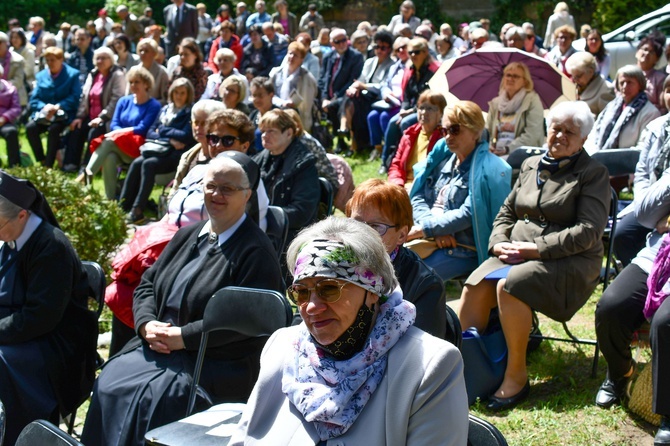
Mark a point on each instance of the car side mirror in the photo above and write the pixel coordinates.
(630, 36)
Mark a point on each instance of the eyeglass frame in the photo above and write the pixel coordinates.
(453, 130)
(226, 190)
(213, 140)
(291, 289)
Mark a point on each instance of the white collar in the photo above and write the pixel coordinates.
(30, 227)
(225, 235)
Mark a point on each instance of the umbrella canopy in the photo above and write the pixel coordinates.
(476, 77)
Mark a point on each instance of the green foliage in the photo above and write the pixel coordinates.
(94, 225)
(610, 14)
(135, 6)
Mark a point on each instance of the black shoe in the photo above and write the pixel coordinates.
(663, 433)
(497, 404)
(70, 168)
(613, 392)
(135, 219)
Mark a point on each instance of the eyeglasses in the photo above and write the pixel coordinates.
(402, 48)
(415, 52)
(427, 108)
(452, 130)
(381, 228)
(225, 140)
(381, 47)
(328, 290)
(225, 189)
(5, 223)
(338, 41)
(516, 77)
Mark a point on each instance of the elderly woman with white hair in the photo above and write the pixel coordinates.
(621, 123)
(225, 60)
(546, 245)
(515, 115)
(333, 378)
(591, 88)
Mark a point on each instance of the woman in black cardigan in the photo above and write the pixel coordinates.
(173, 127)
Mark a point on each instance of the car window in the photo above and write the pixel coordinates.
(660, 22)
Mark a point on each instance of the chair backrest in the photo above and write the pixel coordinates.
(96, 282)
(517, 157)
(327, 197)
(277, 229)
(44, 433)
(483, 433)
(3, 421)
(454, 332)
(618, 161)
(249, 311)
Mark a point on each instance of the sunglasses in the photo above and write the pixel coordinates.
(452, 130)
(328, 290)
(381, 47)
(338, 41)
(225, 140)
(415, 52)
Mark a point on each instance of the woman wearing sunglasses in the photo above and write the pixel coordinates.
(456, 197)
(545, 244)
(355, 369)
(419, 139)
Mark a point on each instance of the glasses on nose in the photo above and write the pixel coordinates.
(225, 140)
(452, 130)
(225, 189)
(415, 52)
(516, 77)
(328, 290)
(402, 48)
(231, 90)
(381, 228)
(338, 41)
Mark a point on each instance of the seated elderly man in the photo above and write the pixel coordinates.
(147, 383)
(621, 123)
(591, 88)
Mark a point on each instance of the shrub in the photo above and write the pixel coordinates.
(94, 225)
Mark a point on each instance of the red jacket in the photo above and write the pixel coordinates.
(235, 46)
(398, 170)
(411, 71)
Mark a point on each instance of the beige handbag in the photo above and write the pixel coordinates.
(641, 396)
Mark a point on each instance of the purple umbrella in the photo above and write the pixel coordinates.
(476, 76)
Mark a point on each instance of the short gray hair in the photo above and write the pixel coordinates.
(633, 72)
(581, 61)
(515, 30)
(364, 241)
(107, 51)
(207, 106)
(578, 112)
(8, 209)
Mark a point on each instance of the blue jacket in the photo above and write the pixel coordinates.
(178, 128)
(488, 186)
(64, 90)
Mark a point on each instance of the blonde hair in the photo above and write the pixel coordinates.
(141, 73)
(468, 114)
(528, 81)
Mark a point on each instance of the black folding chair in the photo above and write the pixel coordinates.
(44, 433)
(618, 161)
(606, 279)
(483, 433)
(96, 284)
(327, 197)
(3, 423)
(277, 229)
(517, 157)
(249, 311)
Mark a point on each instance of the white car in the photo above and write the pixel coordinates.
(622, 42)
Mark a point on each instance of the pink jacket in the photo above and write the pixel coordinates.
(10, 107)
(398, 169)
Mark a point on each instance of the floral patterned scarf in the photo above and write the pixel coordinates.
(332, 394)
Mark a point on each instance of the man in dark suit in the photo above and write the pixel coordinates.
(340, 68)
(181, 20)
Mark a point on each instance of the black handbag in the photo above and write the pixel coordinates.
(155, 148)
(485, 360)
(320, 130)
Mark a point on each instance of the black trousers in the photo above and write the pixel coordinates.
(79, 137)
(141, 178)
(618, 315)
(11, 135)
(629, 238)
(33, 132)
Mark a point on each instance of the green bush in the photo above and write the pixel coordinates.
(94, 225)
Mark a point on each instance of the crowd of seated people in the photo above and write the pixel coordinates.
(265, 85)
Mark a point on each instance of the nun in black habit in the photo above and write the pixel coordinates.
(47, 335)
(147, 384)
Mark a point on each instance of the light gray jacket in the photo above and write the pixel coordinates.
(421, 399)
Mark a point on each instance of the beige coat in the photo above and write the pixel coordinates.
(529, 130)
(17, 76)
(566, 219)
(597, 95)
